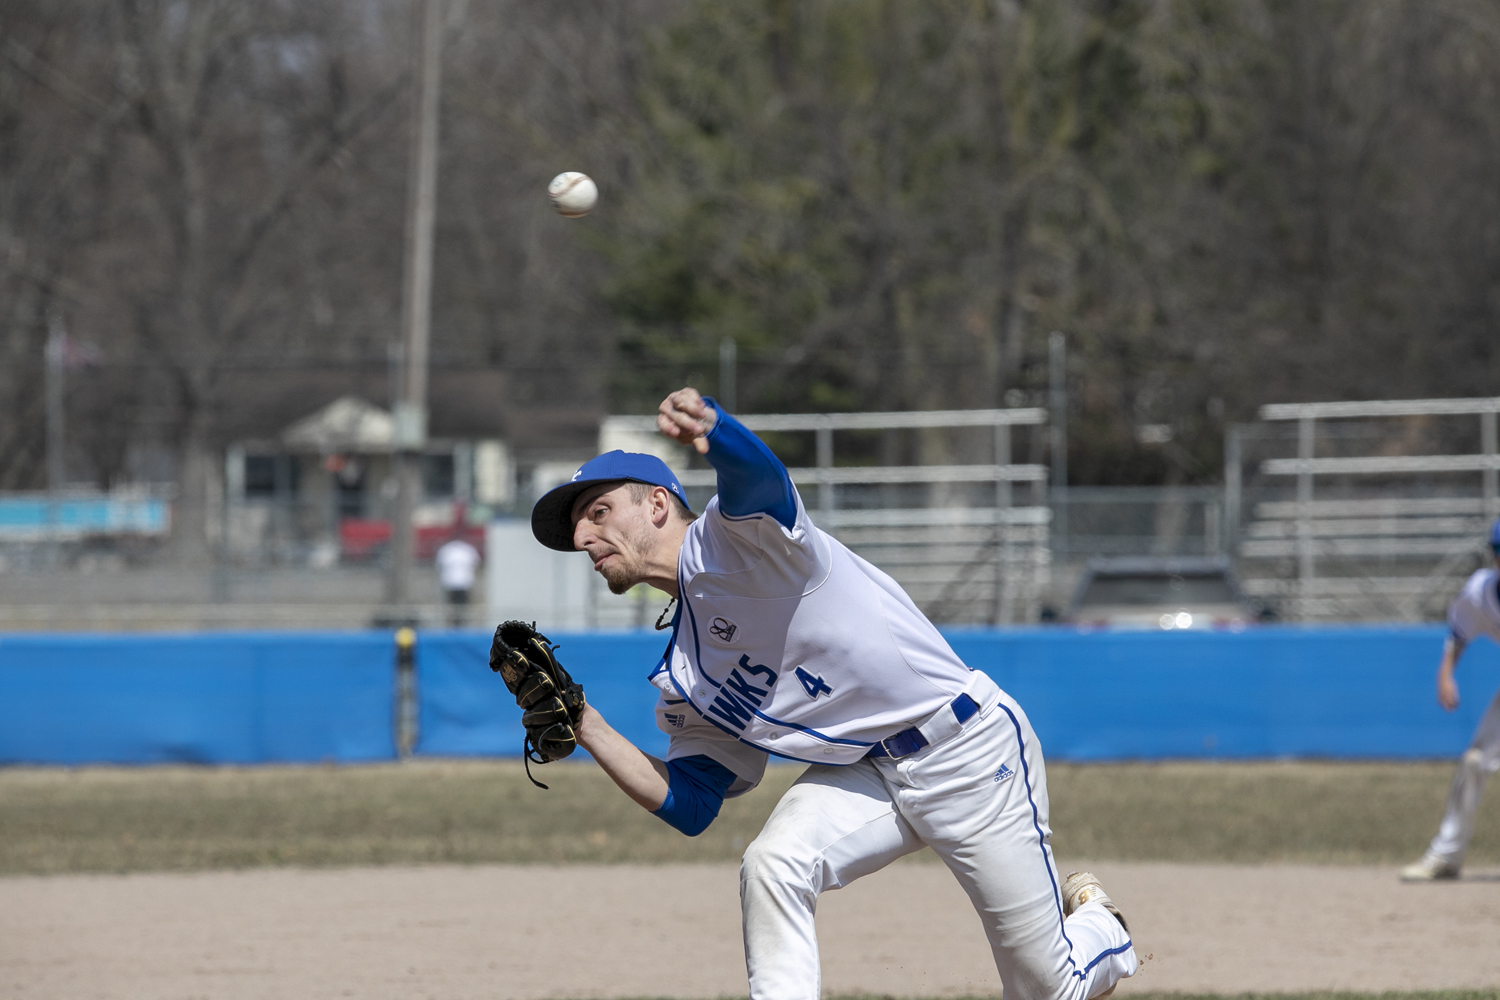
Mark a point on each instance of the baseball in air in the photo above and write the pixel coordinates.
(573, 194)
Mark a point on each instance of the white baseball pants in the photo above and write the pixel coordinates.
(1481, 760)
(979, 799)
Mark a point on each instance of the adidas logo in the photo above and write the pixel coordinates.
(1005, 773)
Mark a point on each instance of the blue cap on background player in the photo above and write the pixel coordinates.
(1495, 535)
(552, 517)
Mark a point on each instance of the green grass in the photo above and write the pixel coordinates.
(1343, 813)
(187, 818)
(1428, 995)
(182, 818)
(1313, 995)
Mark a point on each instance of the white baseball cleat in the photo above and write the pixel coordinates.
(1083, 887)
(1429, 869)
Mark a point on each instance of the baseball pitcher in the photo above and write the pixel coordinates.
(784, 642)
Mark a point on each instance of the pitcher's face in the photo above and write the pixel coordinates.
(616, 531)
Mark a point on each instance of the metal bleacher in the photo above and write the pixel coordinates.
(1386, 536)
(953, 535)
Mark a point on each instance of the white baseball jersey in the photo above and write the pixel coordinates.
(789, 643)
(1476, 609)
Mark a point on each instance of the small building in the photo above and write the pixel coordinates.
(323, 493)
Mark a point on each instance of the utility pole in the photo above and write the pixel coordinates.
(728, 351)
(57, 345)
(1057, 405)
(410, 410)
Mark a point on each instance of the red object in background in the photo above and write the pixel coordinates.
(429, 540)
(362, 539)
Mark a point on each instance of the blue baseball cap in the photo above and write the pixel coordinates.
(552, 517)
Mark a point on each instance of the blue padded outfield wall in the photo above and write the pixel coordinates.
(1265, 692)
(215, 697)
(465, 708)
(262, 697)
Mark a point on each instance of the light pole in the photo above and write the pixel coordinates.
(57, 346)
(410, 410)
(1057, 405)
(56, 437)
(728, 375)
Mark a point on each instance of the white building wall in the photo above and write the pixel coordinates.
(525, 580)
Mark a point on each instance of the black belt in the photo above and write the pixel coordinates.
(909, 741)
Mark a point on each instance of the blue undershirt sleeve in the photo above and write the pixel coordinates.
(751, 479)
(695, 791)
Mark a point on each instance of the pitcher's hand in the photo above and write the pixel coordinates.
(686, 418)
(1447, 691)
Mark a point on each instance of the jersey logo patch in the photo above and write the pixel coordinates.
(738, 699)
(723, 629)
(813, 685)
(1004, 774)
(674, 720)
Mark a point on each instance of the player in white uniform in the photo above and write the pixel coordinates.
(456, 562)
(1473, 613)
(784, 642)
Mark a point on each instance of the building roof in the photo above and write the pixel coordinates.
(346, 424)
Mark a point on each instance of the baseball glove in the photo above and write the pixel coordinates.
(551, 700)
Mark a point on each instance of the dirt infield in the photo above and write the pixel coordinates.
(478, 932)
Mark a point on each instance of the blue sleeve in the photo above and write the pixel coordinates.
(695, 791)
(751, 479)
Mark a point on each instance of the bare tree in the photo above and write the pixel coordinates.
(238, 110)
(59, 136)
(886, 204)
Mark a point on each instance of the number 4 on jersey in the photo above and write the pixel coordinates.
(814, 685)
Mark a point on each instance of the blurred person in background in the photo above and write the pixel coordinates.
(1474, 612)
(457, 562)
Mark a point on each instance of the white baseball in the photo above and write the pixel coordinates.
(573, 194)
